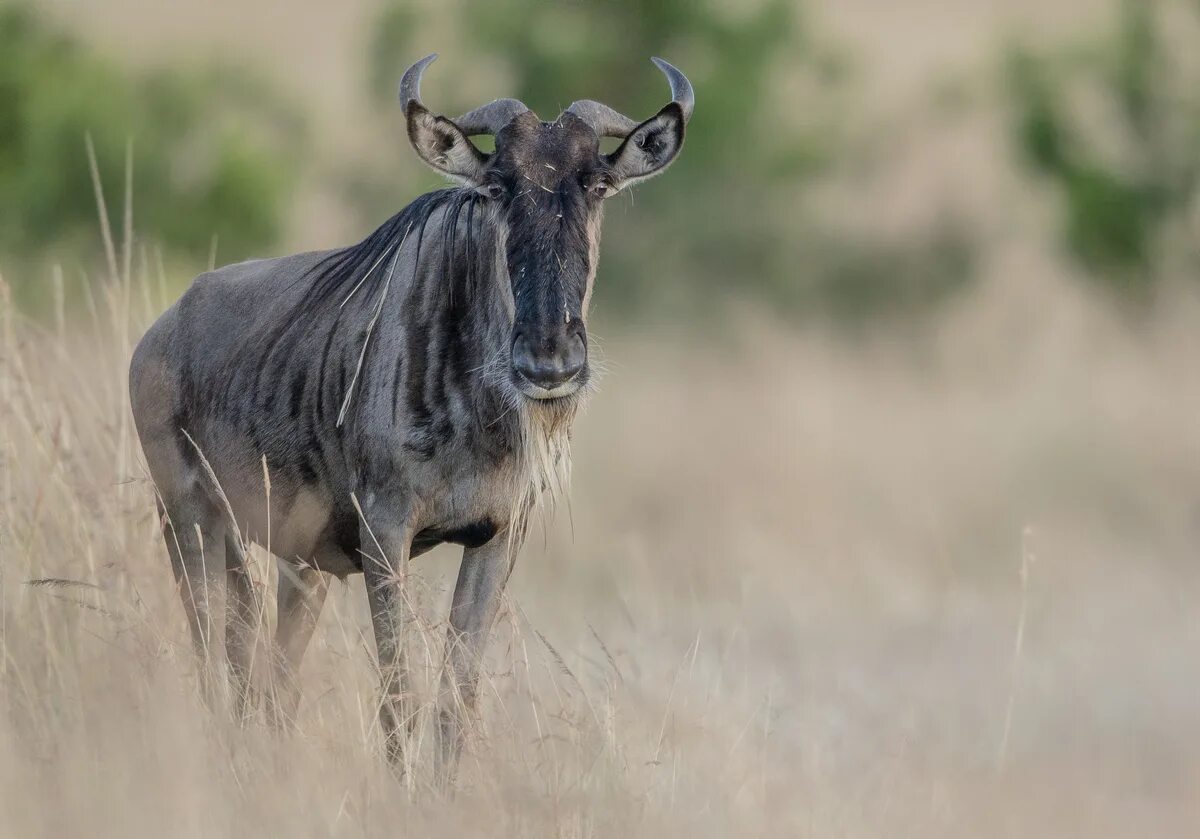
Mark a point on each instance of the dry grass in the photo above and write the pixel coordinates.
(933, 585)
(785, 602)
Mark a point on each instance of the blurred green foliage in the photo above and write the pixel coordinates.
(213, 151)
(1111, 123)
(1128, 170)
(729, 219)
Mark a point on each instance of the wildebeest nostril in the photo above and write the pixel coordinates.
(549, 364)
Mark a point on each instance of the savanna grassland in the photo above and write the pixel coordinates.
(927, 586)
(932, 573)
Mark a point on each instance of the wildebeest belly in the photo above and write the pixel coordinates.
(336, 548)
(340, 554)
(301, 526)
(311, 523)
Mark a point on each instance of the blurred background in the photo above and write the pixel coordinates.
(852, 161)
(884, 520)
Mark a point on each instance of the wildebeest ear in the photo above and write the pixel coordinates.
(650, 147)
(443, 145)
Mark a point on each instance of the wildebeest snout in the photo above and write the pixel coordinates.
(549, 359)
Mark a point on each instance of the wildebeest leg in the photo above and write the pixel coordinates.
(481, 579)
(195, 537)
(243, 622)
(385, 578)
(302, 593)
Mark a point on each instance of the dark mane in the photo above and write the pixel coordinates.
(344, 286)
(359, 268)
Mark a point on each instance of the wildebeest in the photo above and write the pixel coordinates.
(351, 409)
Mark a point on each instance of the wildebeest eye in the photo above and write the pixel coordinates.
(493, 190)
(602, 188)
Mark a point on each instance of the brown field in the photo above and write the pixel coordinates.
(935, 580)
(787, 599)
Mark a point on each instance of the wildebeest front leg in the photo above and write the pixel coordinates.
(386, 592)
(481, 580)
(302, 593)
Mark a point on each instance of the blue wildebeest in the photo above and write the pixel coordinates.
(351, 409)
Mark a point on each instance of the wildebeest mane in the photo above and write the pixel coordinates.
(362, 267)
(345, 284)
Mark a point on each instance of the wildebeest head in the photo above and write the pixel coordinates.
(547, 182)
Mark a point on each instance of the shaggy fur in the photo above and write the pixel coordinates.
(351, 409)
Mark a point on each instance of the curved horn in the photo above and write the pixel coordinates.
(681, 89)
(607, 122)
(604, 120)
(490, 118)
(487, 119)
(410, 83)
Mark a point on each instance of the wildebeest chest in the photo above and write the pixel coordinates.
(463, 496)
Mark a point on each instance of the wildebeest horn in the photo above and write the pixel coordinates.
(490, 118)
(681, 89)
(410, 83)
(604, 120)
(609, 123)
(486, 119)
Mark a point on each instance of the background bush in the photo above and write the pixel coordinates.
(1125, 168)
(1109, 122)
(213, 150)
